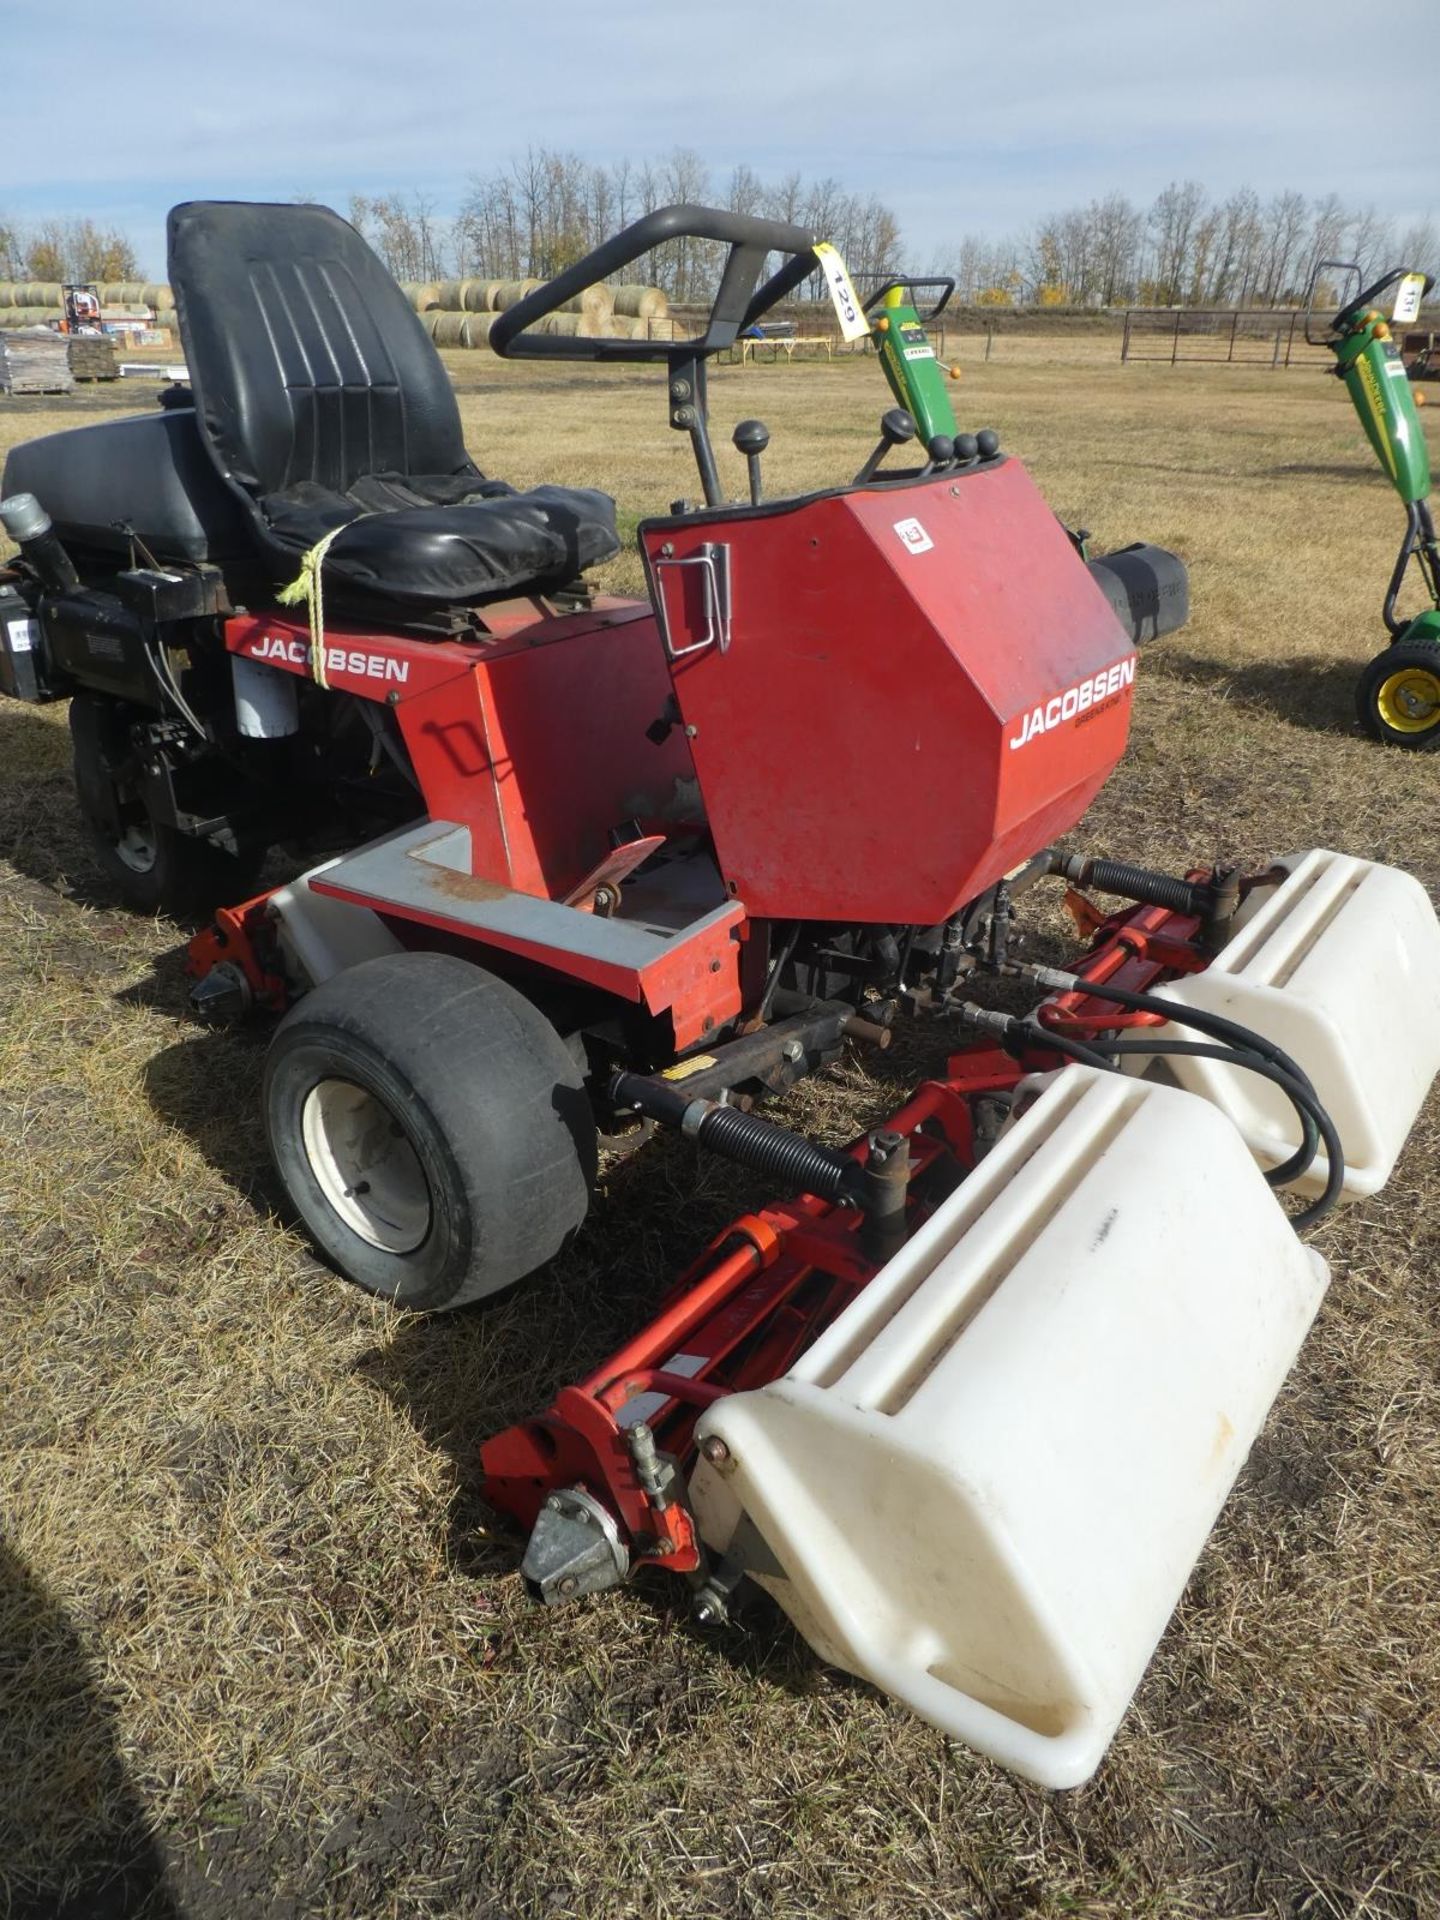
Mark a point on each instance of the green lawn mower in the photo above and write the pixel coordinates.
(1398, 695)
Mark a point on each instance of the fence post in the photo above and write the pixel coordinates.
(989, 336)
(1275, 356)
(1125, 342)
(1175, 343)
(1234, 323)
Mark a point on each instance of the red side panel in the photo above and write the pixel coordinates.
(922, 686)
(535, 740)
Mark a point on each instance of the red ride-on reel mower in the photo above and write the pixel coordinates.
(968, 1405)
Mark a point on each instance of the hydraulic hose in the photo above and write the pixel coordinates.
(1217, 1027)
(1240, 1047)
(1314, 1120)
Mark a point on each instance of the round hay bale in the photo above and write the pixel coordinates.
(7, 293)
(449, 329)
(598, 302)
(157, 294)
(566, 323)
(641, 303)
(422, 294)
(509, 292)
(477, 328)
(479, 295)
(130, 293)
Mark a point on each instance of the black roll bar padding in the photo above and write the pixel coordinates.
(1387, 279)
(738, 300)
(1362, 299)
(905, 280)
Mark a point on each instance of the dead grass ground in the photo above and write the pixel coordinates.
(257, 1642)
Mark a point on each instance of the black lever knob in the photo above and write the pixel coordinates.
(751, 438)
(987, 442)
(941, 449)
(967, 448)
(896, 427)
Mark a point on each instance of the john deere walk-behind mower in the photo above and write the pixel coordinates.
(966, 1406)
(1398, 694)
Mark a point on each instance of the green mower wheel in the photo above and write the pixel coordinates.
(1398, 695)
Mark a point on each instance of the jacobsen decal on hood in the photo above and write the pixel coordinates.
(1089, 696)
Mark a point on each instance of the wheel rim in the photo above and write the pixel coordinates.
(365, 1166)
(1409, 700)
(136, 847)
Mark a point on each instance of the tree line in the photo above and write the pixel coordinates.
(1185, 249)
(542, 211)
(66, 250)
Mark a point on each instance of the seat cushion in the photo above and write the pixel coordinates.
(491, 541)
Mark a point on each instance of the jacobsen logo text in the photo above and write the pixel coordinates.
(366, 666)
(1087, 697)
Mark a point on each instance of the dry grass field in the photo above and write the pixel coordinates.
(260, 1653)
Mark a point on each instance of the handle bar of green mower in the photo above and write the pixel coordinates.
(1368, 297)
(889, 281)
(738, 301)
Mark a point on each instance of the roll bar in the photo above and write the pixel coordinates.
(1361, 300)
(911, 286)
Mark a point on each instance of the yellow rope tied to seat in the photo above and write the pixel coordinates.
(309, 586)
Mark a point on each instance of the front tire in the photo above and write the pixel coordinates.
(431, 1128)
(149, 864)
(1398, 695)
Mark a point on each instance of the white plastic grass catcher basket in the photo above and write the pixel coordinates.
(985, 1486)
(1340, 966)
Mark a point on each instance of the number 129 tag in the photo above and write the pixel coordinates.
(1407, 300)
(853, 324)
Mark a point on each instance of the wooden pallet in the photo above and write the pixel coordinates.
(92, 357)
(35, 360)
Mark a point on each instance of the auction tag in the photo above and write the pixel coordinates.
(23, 635)
(853, 323)
(1407, 300)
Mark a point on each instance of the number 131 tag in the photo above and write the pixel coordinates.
(1407, 300)
(853, 324)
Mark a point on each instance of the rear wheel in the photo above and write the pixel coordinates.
(151, 865)
(431, 1128)
(1398, 695)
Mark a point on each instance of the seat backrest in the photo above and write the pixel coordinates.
(306, 360)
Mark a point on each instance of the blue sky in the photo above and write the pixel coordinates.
(966, 118)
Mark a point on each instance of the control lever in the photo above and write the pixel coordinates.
(987, 442)
(896, 427)
(751, 438)
(967, 449)
(941, 449)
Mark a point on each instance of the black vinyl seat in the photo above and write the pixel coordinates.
(323, 403)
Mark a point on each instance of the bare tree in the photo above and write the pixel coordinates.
(1283, 225)
(1172, 223)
